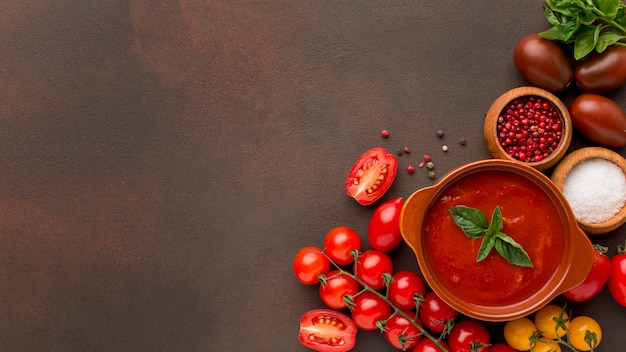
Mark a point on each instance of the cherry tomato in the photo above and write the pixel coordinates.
(518, 332)
(309, 263)
(545, 345)
(371, 175)
(468, 336)
(585, 333)
(401, 333)
(404, 287)
(500, 347)
(427, 345)
(368, 309)
(371, 265)
(599, 119)
(339, 243)
(384, 228)
(617, 278)
(546, 323)
(333, 291)
(602, 72)
(543, 63)
(327, 330)
(435, 313)
(596, 279)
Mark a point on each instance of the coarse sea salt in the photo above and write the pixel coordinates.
(595, 189)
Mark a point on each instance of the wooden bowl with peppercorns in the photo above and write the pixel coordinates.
(529, 125)
(593, 180)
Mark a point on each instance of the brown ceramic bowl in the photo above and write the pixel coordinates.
(491, 129)
(571, 160)
(504, 295)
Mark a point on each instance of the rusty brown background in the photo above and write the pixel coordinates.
(161, 162)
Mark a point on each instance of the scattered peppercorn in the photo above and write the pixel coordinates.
(444, 148)
(407, 150)
(426, 157)
(431, 174)
(462, 141)
(421, 164)
(384, 133)
(399, 152)
(430, 165)
(439, 133)
(410, 169)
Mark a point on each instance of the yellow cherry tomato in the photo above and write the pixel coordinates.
(546, 323)
(546, 345)
(518, 332)
(585, 333)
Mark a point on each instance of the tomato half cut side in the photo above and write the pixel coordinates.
(327, 330)
(371, 175)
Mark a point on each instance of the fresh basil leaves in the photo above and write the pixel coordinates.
(587, 24)
(473, 222)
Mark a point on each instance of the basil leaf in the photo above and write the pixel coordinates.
(496, 221)
(472, 221)
(586, 41)
(608, 7)
(607, 39)
(511, 250)
(485, 246)
(552, 17)
(554, 33)
(586, 17)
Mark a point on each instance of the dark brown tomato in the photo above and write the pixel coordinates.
(599, 119)
(543, 63)
(602, 72)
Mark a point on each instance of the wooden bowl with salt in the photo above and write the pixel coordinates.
(591, 181)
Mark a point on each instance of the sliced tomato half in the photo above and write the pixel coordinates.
(327, 330)
(371, 175)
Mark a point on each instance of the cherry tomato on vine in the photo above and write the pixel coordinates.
(468, 336)
(596, 279)
(339, 243)
(371, 266)
(518, 332)
(427, 345)
(371, 175)
(404, 287)
(333, 290)
(435, 313)
(585, 333)
(543, 63)
(500, 347)
(308, 264)
(368, 309)
(401, 333)
(617, 278)
(327, 330)
(545, 345)
(546, 323)
(384, 228)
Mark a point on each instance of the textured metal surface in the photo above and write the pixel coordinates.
(162, 162)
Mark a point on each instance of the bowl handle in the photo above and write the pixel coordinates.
(413, 213)
(582, 259)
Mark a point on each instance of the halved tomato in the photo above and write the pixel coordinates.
(371, 175)
(327, 330)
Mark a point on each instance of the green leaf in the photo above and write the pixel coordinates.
(556, 33)
(586, 41)
(607, 39)
(485, 247)
(496, 221)
(553, 18)
(608, 7)
(472, 221)
(511, 250)
(570, 29)
(586, 17)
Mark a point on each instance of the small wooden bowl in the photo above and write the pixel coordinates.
(491, 129)
(571, 160)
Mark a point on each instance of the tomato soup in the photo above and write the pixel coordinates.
(529, 217)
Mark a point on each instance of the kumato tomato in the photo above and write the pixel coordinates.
(545, 345)
(368, 309)
(309, 263)
(585, 333)
(327, 330)
(469, 336)
(602, 72)
(401, 333)
(427, 345)
(339, 244)
(518, 332)
(371, 175)
(599, 119)
(595, 281)
(372, 266)
(543, 63)
(404, 288)
(334, 290)
(384, 228)
(500, 347)
(546, 321)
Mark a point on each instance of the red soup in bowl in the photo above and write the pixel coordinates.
(534, 214)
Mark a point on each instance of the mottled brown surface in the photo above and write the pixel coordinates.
(162, 162)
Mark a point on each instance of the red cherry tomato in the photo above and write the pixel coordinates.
(596, 279)
(333, 291)
(368, 309)
(371, 175)
(308, 264)
(401, 333)
(339, 243)
(327, 330)
(500, 347)
(617, 278)
(371, 265)
(435, 313)
(404, 286)
(599, 119)
(543, 63)
(467, 334)
(602, 72)
(427, 345)
(384, 228)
